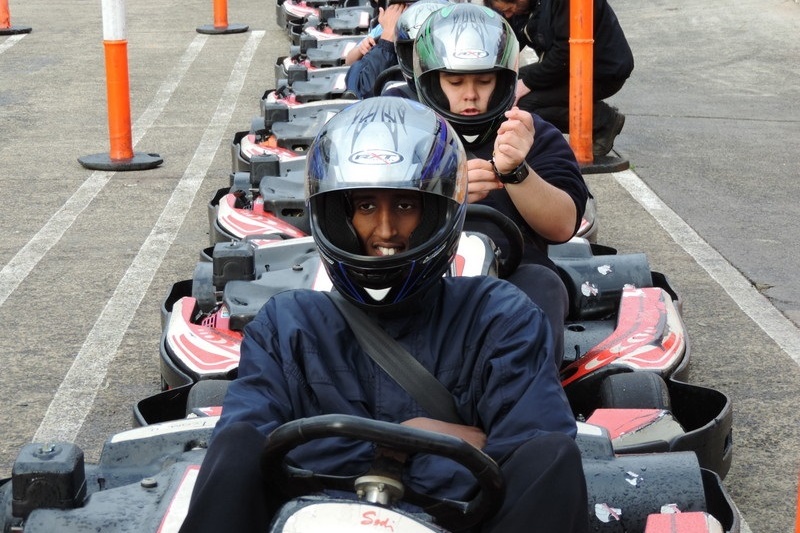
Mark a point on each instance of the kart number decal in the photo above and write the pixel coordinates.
(351, 516)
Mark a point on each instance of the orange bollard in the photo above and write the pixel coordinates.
(797, 515)
(581, 77)
(221, 25)
(118, 92)
(121, 155)
(5, 21)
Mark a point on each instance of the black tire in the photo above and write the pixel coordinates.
(635, 390)
(258, 125)
(206, 393)
(203, 289)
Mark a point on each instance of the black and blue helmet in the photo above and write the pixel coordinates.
(406, 30)
(390, 143)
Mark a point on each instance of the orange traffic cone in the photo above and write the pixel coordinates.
(221, 21)
(121, 156)
(5, 21)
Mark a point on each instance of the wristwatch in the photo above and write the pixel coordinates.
(518, 175)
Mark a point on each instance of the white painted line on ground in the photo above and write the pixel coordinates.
(167, 88)
(29, 255)
(74, 399)
(18, 268)
(785, 334)
(754, 304)
(11, 41)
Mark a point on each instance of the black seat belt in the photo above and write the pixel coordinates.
(398, 363)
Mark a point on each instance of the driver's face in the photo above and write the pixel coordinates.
(385, 218)
(512, 8)
(468, 94)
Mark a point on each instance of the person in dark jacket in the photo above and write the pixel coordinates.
(465, 67)
(386, 181)
(390, 56)
(373, 55)
(408, 26)
(543, 87)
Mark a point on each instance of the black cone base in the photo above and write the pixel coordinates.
(210, 29)
(139, 161)
(14, 30)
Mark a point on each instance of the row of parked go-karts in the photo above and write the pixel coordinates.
(654, 446)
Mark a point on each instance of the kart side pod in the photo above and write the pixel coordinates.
(625, 490)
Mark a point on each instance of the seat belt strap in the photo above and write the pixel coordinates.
(396, 361)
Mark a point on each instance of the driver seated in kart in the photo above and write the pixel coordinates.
(386, 185)
(465, 66)
(374, 53)
(394, 49)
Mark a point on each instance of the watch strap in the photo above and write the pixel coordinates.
(518, 175)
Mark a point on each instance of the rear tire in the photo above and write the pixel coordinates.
(635, 390)
(206, 393)
(203, 289)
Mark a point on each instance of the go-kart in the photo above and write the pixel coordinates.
(352, 18)
(145, 476)
(290, 12)
(310, 34)
(202, 318)
(322, 47)
(336, 23)
(282, 131)
(309, 85)
(625, 345)
(265, 195)
(315, 54)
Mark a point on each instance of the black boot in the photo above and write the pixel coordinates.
(608, 122)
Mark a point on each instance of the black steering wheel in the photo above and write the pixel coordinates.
(509, 259)
(392, 73)
(450, 514)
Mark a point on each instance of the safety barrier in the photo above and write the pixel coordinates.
(5, 21)
(121, 155)
(221, 25)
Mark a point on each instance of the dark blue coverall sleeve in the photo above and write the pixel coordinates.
(362, 74)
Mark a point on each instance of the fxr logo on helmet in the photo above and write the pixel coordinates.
(470, 54)
(375, 157)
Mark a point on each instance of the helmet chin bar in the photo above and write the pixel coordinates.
(378, 294)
